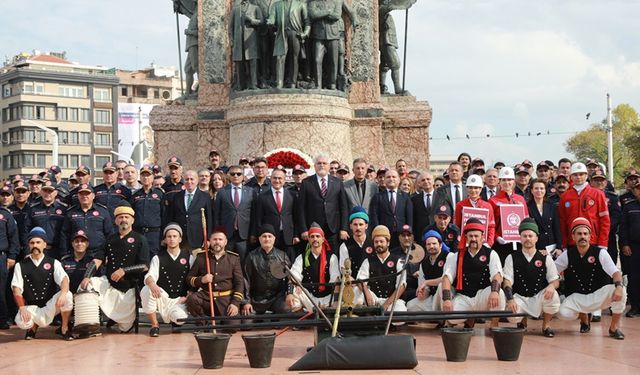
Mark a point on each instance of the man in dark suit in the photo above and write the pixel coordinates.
(276, 207)
(233, 210)
(322, 200)
(453, 192)
(423, 204)
(490, 184)
(184, 209)
(391, 207)
(359, 190)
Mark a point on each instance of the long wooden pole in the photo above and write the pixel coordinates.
(205, 246)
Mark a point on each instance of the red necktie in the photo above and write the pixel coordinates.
(236, 197)
(278, 201)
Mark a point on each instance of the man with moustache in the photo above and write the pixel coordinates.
(476, 274)
(265, 292)
(316, 265)
(225, 276)
(383, 290)
(588, 271)
(430, 274)
(359, 190)
(126, 255)
(406, 244)
(359, 246)
(49, 213)
(110, 193)
(442, 224)
(147, 203)
(560, 185)
(35, 282)
(474, 186)
(165, 285)
(174, 182)
(530, 280)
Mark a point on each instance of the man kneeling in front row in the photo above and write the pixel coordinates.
(588, 270)
(165, 289)
(476, 274)
(34, 289)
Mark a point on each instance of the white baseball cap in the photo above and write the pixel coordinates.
(474, 181)
(578, 168)
(507, 173)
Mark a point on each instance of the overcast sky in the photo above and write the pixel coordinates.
(486, 66)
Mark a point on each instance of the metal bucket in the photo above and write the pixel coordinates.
(507, 342)
(456, 343)
(213, 348)
(259, 349)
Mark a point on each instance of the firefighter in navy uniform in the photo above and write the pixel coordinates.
(174, 182)
(49, 213)
(9, 251)
(599, 181)
(166, 287)
(111, 193)
(630, 245)
(126, 256)
(35, 289)
(147, 203)
(82, 176)
(90, 217)
(382, 291)
(631, 178)
(20, 211)
(442, 224)
(427, 297)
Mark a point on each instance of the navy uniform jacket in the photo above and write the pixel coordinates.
(615, 215)
(75, 269)
(21, 215)
(253, 183)
(111, 197)
(629, 230)
(148, 207)
(9, 240)
(96, 222)
(50, 218)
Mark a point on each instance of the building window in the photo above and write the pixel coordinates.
(63, 161)
(102, 160)
(61, 114)
(84, 138)
(73, 161)
(27, 87)
(63, 137)
(6, 90)
(103, 117)
(101, 95)
(27, 113)
(71, 91)
(124, 91)
(103, 139)
(85, 159)
(40, 112)
(41, 160)
(28, 160)
(73, 114)
(73, 138)
(84, 114)
(39, 88)
(41, 136)
(141, 91)
(156, 94)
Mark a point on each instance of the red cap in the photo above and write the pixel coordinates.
(579, 222)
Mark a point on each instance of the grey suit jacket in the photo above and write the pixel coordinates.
(225, 211)
(353, 199)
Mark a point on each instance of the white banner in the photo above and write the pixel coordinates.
(133, 118)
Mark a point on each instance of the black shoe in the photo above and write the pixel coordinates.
(174, 326)
(617, 334)
(111, 323)
(4, 325)
(631, 313)
(154, 332)
(30, 335)
(67, 336)
(585, 327)
(596, 318)
(548, 332)
(522, 325)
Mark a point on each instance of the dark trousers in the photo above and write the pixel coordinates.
(504, 250)
(153, 240)
(198, 305)
(288, 249)
(633, 276)
(4, 282)
(238, 245)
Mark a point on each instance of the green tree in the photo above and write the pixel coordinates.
(592, 143)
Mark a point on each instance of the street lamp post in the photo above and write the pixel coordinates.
(54, 135)
(609, 139)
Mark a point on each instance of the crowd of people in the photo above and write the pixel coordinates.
(175, 238)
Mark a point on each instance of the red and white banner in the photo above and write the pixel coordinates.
(481, 214)
(511, 215)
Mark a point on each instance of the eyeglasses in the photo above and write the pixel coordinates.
(236, 174)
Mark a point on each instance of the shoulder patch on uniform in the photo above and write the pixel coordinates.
(63, 204)
(66, 257)
(232, 253)
(100, 205)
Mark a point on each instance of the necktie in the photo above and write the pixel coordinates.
(428, 204)
(491, 193)
(236, 197)
(457, 193)
(323, 187)
(278, 201)
(189, 199)
(393, 201)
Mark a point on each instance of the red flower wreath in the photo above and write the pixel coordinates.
(286, 159)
